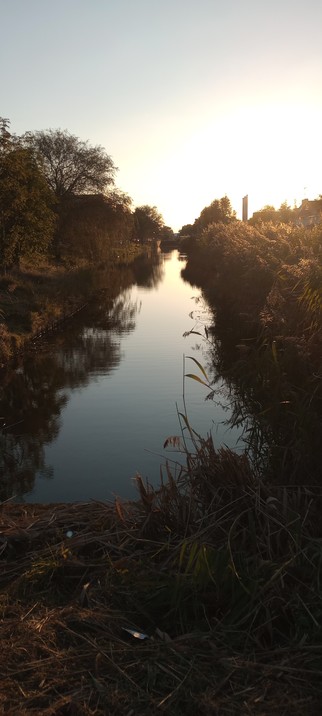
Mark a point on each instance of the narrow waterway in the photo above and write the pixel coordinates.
(95, 405)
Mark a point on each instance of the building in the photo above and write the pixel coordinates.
(310, 212)
(245, 208)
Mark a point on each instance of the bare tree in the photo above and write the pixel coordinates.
(71, 166)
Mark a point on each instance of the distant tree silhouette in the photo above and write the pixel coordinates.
(70, 165)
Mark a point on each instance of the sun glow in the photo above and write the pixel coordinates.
(278, 157)
(266, 151)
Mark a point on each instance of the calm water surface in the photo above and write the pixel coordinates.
(94, 406)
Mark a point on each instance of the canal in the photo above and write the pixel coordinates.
(94, 405)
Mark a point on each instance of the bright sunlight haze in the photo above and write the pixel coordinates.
(193, 100)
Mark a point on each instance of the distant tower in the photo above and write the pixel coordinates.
(245, 208)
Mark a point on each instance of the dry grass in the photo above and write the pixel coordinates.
(38, 297)
(222, 574)
(32, 299)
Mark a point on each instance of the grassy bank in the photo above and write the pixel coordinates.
(36, 296)
(219, 574)
(264, 284)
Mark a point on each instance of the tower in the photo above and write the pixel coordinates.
(245, 208)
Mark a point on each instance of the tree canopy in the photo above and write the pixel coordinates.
(26, 216)
(219, 211)
(148, 223)
(71, 166)
(93, 226)
(284, 215)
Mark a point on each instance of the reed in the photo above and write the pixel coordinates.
(264, 286)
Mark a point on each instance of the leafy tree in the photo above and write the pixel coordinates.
(75, 172)
(187, 231)
(219, 211)
(26, 216)
(120, 217)
(5, 136)
(286, 214)
(166, 234)
(93, 226)
(71, 166)
(283, 215)
(148, 223)
(267, 213)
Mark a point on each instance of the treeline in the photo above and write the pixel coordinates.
(58, 198)
(264, 282)
(309, 213)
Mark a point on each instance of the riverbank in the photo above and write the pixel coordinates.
(264, 286)
(36, 297)
(200, 598)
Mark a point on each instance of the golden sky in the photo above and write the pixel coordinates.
(193, 100)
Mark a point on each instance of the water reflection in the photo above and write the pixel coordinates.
(95, 403)
(149, 270)
(35, 391)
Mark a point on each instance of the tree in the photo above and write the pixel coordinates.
(26, 216)
(148, 223)
(286, 214)
(267, 213)
(5, 136)
(186, 231)
(219, 211)
(70, 165)
(94, 226)
(166, 234)
(283, 215)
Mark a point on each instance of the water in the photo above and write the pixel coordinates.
(95, 405)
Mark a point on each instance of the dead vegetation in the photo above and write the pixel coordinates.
(203, 597)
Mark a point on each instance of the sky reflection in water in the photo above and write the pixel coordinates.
(96, 408)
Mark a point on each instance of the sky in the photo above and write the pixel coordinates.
(192, 99)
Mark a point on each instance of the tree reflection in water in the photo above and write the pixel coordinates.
(35, 390)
